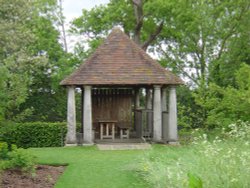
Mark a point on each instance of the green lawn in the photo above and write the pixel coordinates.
(222, 161)
(89, 167)
(202, 164)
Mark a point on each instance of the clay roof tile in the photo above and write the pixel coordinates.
(120, 61)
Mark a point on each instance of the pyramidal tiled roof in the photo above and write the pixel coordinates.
(120, 61)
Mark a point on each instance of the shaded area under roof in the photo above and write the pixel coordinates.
(120, 61)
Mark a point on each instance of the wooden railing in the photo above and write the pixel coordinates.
(164, 124)
(144, 123)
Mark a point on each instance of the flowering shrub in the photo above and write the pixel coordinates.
(238, 130)
(217, 163)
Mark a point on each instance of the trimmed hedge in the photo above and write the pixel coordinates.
(35, 134)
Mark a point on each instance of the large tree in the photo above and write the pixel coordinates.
(194, 38)
(136, 17)
(46, 97)
(204, 41)
(16, 61)
(203, 37)
(32, 61)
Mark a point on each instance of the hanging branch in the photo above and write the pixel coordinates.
(138, 11)
(63, 27)
(153, 36)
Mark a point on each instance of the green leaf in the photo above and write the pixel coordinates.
(194, 181)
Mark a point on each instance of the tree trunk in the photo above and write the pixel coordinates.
(63, 27)
(139, 16)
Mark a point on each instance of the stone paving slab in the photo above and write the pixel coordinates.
(124, 146)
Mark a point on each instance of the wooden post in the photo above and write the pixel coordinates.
(113, 131)
(138, 124)
(164, 113)
(148, 99)
(149, 116)
(101, 131)
(137, 98)
(82, 111)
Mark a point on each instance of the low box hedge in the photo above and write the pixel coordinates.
(35, 134)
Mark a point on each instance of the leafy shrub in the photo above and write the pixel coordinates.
(189, 113)
(36, 134)
(21, 159)
(16, 158)
(226, 105)
(239, 130)
(3, 150)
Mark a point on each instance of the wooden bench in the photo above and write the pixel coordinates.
(124, 131)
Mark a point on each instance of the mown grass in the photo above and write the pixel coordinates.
(89, 167)
(222, 163)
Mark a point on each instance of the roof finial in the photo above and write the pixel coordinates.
(117, 28)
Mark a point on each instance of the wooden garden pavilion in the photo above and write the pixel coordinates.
(112, 80)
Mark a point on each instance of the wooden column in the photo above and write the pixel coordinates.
(137, 98)
(164, 113)
(138, 115)
(149, 107)
(164, 99)
(87, 116)
(82, 111)
(148, 99)
(71, 117)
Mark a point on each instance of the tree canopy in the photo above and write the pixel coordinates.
(205, 42)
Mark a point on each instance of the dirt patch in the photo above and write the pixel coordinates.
(46, 177)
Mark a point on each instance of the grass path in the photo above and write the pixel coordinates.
(89, 168)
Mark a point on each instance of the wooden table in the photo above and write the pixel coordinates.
(109, 126)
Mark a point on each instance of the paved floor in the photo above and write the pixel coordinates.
(123, 146)
(118, 140)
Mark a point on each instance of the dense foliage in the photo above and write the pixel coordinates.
(204, 42)
(32, 61)
(16, 158)
(36, 134)
(226, 105)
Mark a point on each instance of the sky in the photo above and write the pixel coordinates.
(73, 9)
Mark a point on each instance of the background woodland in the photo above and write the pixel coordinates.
(205, 42)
